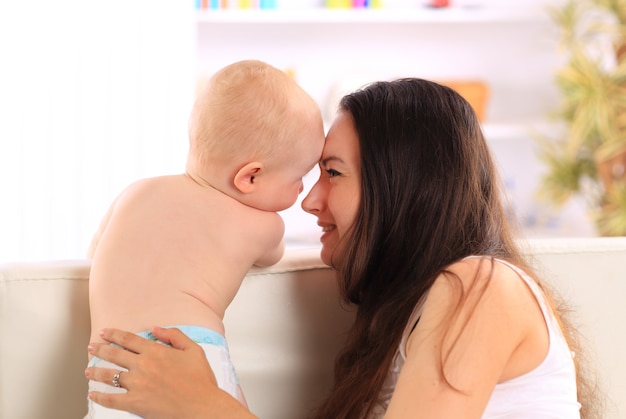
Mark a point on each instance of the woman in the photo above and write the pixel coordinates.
(451, 321)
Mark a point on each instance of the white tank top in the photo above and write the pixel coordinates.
(546, 392)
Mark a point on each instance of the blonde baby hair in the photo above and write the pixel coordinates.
(249, 110)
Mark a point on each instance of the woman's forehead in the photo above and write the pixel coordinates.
(341, 135)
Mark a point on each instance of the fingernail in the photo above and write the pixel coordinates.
(87, 373)
(90, 348)
(102, 332)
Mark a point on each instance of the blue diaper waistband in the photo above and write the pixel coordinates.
(198, 334)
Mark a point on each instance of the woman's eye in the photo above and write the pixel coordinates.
(332, 172)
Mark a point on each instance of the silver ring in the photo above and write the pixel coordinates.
(116, 379)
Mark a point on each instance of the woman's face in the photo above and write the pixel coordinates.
(335, 197)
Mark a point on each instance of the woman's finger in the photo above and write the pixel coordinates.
(174, 337)
(127, 340)
(107, 376)
(160, 376)
(114, 354)
(120, 401)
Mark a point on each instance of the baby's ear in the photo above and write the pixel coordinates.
(246, 177)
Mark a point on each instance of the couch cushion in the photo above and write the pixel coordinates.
(43, 310)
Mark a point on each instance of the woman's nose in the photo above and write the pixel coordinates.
(310, 203)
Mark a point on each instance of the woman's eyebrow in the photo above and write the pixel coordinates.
(328, 159)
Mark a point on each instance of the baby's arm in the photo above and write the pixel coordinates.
(273, 246)
(272, 256)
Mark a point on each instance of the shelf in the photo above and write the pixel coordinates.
(504, 132)
(502, 14)
(495, 132)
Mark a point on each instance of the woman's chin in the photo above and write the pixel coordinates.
(326, 255)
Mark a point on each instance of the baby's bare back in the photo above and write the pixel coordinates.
(173, 252)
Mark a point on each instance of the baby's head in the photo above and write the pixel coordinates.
(253, 134)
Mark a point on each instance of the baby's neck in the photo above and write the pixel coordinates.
(199, 180)
(211, 179)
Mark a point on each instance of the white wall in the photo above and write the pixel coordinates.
(94, 95)
(513, 47)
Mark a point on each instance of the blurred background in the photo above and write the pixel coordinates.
(94, 95)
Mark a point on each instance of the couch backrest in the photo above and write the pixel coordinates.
(591, 275)
(284, 328)
(44, 331)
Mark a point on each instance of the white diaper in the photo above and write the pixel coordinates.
(215, 350)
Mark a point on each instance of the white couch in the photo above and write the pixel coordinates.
(284, 328)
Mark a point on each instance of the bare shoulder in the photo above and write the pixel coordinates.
(128, 198)
(148, 210)
(168, 196)
(175, 209)
(476, 317)
(480, 326)
(152, 187)
(487, 275)
(483, 293)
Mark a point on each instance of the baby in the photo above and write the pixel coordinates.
(173, 250)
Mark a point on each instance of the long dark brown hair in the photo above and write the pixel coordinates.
(430, 196)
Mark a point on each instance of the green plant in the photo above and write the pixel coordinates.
(590, 158)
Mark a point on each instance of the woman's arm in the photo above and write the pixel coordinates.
(162, 382)
(458, 353)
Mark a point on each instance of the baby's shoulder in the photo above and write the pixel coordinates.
(153, 187)
(148, 194)
(154, 184)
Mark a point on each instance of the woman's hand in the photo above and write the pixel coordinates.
(162, 382)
